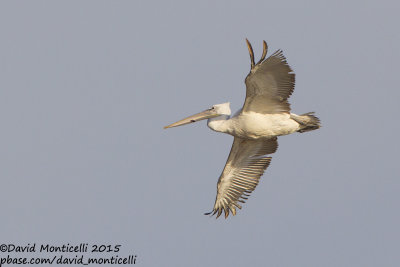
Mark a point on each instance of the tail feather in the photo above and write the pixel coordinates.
(308, 121)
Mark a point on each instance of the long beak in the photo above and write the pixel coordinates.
(206, 114)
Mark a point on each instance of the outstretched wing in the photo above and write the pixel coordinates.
(246, 163)
(269, 84)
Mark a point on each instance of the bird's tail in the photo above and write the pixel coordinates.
(308, 121)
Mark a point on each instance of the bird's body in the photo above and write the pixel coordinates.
(252, 125)
(265, 116)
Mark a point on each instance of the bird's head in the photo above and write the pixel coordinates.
(222, 109)
(214, 111)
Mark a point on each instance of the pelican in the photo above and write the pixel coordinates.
(264, 116)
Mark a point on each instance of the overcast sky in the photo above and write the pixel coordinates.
(87, 86)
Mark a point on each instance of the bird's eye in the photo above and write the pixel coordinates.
(212, 107)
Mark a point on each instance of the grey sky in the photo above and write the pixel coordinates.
(86, 87)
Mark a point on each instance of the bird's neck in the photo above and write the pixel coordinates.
(219, 124)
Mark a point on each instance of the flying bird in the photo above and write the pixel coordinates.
(264, 116)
